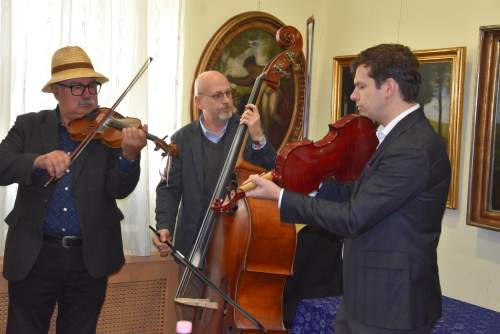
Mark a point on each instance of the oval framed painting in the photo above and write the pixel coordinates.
(240, 49)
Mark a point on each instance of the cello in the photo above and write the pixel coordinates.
(249, 253)
(342, 153)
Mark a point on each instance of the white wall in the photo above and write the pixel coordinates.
(469, 257)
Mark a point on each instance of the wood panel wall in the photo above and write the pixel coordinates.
(139, 298)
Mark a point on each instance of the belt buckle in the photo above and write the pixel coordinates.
(66, 239)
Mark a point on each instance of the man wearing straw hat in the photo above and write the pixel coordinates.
(64, 239)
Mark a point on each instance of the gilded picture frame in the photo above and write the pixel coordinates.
(441, 95)
(240, 49)
(484, 190)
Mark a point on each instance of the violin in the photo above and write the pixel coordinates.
(109, 133)
(91, 126)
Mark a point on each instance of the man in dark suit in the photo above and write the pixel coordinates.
(391, 216)
(64, 239)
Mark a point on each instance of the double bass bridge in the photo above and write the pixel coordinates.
(198, 302)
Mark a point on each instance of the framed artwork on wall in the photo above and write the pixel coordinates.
(240, 49)
(441, 96)
(484, 195)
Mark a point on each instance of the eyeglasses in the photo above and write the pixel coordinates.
(219, 96)
(78, 89)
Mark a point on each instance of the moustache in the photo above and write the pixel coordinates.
(85, 102)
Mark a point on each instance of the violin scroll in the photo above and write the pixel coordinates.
(168, 149)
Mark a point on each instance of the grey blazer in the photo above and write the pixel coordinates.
(186, 181)
(391, 221)
(97, 183)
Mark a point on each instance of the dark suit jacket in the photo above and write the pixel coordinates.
(186, 183)
(391, 222)
(97, 182)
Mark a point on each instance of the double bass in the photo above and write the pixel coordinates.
(249, 253)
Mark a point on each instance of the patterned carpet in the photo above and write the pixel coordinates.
(315, 316)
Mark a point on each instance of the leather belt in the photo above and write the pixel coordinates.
(66, 241)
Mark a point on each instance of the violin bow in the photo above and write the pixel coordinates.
(309, 57)
(79, 149)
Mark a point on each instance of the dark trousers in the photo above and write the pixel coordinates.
(345, 325)
(59, 275)
(317, 269)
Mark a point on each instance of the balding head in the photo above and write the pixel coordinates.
(208, 79)
(212, 95)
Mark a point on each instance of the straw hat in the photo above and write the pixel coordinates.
(71, 62)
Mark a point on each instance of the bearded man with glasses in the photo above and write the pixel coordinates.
(203, 146)
(65, 239)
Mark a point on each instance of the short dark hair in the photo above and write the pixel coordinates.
(394, 61)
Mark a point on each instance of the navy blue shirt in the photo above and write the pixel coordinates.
(62, 218)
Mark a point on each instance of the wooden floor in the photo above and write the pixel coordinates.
(139, 298)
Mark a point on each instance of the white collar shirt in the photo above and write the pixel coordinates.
(383, 131)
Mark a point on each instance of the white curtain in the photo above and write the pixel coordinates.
(118, 35)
